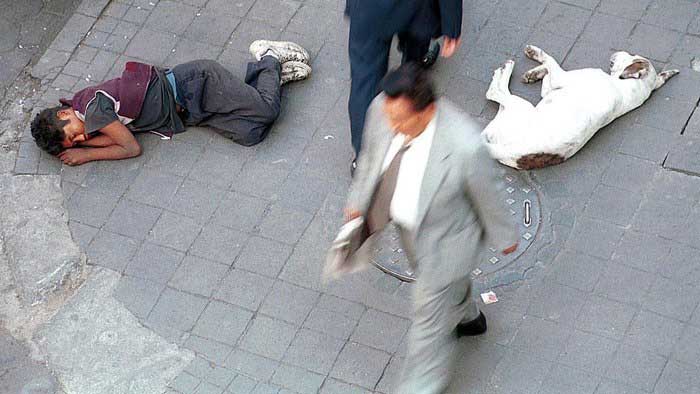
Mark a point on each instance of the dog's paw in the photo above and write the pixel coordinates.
(506, 68)
(534, 53)
(529, 77)
(497, 74)
(534, 75)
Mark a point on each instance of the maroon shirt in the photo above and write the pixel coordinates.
(127, 92)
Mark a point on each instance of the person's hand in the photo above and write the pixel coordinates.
(510, 249)
(351, 214)
(74, 156)
(450, 46)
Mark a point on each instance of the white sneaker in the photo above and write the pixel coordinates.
(285, 51)
(294, 71)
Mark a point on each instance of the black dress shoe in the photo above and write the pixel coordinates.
(353, 167)
(431, 57)
(472, 328)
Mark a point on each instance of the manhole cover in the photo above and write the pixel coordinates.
(522, 202)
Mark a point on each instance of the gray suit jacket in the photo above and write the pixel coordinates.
(461, 208)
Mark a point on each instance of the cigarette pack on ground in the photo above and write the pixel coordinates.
(489, 297)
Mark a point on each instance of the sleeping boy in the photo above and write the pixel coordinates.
(99, 122)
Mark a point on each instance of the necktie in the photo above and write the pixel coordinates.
(378, 215)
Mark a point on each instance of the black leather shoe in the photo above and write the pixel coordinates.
(431, 57)
(353, 167)
(472, 328)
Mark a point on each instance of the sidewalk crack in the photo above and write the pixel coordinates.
(687, 121)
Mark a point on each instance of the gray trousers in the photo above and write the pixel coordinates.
(432, 341)
(243, 110)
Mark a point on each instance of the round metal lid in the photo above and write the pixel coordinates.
(522, 202)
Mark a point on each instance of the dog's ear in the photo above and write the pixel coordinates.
(663, 77)
(637, 70)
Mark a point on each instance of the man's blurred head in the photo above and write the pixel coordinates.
(410, 101)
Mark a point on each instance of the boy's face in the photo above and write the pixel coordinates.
(74, 130)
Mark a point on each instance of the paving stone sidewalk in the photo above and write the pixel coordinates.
(220, 246)
(26, 29)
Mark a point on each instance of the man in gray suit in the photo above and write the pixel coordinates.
(423, 167)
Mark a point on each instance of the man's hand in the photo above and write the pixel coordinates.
(74, 156)
(351, 214)
(510, 249)
(450, 46)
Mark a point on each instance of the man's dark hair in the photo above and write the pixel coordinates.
(47, 129)
(410, 80)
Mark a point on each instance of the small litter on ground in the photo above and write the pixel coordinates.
(489, 297)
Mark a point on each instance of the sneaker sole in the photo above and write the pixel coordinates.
(258, 47)
(294, 71)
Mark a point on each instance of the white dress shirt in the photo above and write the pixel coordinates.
(404, 203)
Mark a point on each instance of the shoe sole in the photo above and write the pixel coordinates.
(475, 327)
(258, 47)
(294, 71)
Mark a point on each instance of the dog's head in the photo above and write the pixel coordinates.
(626, 66)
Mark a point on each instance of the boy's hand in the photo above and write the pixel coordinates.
(74, 156)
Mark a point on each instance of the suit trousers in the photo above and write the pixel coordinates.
(432, 339)
(243, 110)
(369, 62)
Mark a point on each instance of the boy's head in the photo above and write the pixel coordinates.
(57, 128)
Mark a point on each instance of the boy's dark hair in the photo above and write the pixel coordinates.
(410, 80)
(47, 129)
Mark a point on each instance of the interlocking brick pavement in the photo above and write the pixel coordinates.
(221, 246)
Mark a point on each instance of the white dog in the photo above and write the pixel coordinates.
(574, 106)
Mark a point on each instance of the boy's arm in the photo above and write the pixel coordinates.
(124, 147)
(99, 141)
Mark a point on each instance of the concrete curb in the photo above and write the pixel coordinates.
(40, 250)
(38, 243)
(115, 353)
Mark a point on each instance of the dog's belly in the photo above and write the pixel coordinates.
(558, 127)
(570, 117)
